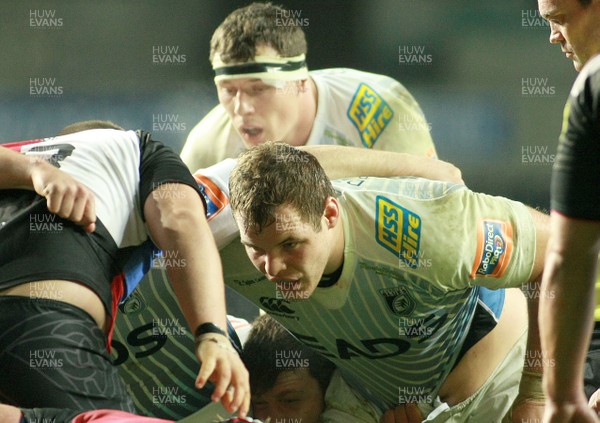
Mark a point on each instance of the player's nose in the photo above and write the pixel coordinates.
(274, 265)
(243, 104)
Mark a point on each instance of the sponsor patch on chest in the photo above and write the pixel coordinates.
(398, 230)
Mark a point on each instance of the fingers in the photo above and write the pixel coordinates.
(65, 196)
(222, 366)
(241, 397)
(388, 417)
(206, 369)
(403, 413)
(72, 201)
(83, 211)
(453, 174)
(594, 402)
(222, 383)
(413, 413)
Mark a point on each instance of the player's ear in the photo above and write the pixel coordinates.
(332, 211)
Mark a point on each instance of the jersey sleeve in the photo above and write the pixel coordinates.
(160, 165)
(501, 242)
(209, 141)
(441, 233)
(213, 182)
(575, 186)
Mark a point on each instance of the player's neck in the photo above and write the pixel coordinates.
(336, 258)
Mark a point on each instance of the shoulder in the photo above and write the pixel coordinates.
(353, 78)
(348, 74)
(208, 141)
(213, 122)
(588, 78)
(584, 97)
(407, 187)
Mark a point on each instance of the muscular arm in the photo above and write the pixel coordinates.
(529, 404)
(567, 306)
(16, 170)
(176, 220)
(65, 196)
(343, 162)
(533, 292)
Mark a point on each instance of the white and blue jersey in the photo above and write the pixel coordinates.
(416, 255)
(420, 256)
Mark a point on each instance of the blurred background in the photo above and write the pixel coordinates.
(491, 86)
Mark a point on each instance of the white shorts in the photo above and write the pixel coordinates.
(492, 401)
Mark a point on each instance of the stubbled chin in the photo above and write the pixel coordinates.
(295, 294)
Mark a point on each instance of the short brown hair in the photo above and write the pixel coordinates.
(267, 340)
(274, 174)
(236, 39)
(89, 124)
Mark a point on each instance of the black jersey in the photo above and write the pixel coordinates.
(121, 168)
(576, 173)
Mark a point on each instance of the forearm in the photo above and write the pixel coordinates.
(16, 170)
(344, 162)
(177, 223)
(567, 304)
(566, 320)
(175, 216)
(534, 358)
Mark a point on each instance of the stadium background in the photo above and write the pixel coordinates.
(491, 86)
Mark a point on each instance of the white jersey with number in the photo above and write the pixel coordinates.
(354, 108)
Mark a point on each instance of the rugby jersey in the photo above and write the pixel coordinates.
(142, 368)
(416, 253)
(121, 168)
(354, 108)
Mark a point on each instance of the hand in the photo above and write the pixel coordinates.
(65, 196)
(530, 402)
(594, 402)
(444, 171)
(221, 364)
(573, 412)
(403, 413)
(525, 410)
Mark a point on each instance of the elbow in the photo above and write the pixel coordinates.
(173, 209)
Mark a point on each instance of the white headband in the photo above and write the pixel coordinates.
(263, 67)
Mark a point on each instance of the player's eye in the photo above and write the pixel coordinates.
(291, 245)
(258, 89)
(228, 91)
(290, 402)
(255, 250)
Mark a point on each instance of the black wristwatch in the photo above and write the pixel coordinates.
(208, 327)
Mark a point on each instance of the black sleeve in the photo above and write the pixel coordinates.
(160, 165)
(575, 187)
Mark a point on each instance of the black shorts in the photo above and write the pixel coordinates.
(53, 355)
(54, 415)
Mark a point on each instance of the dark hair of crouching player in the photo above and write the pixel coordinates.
(287, 379)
